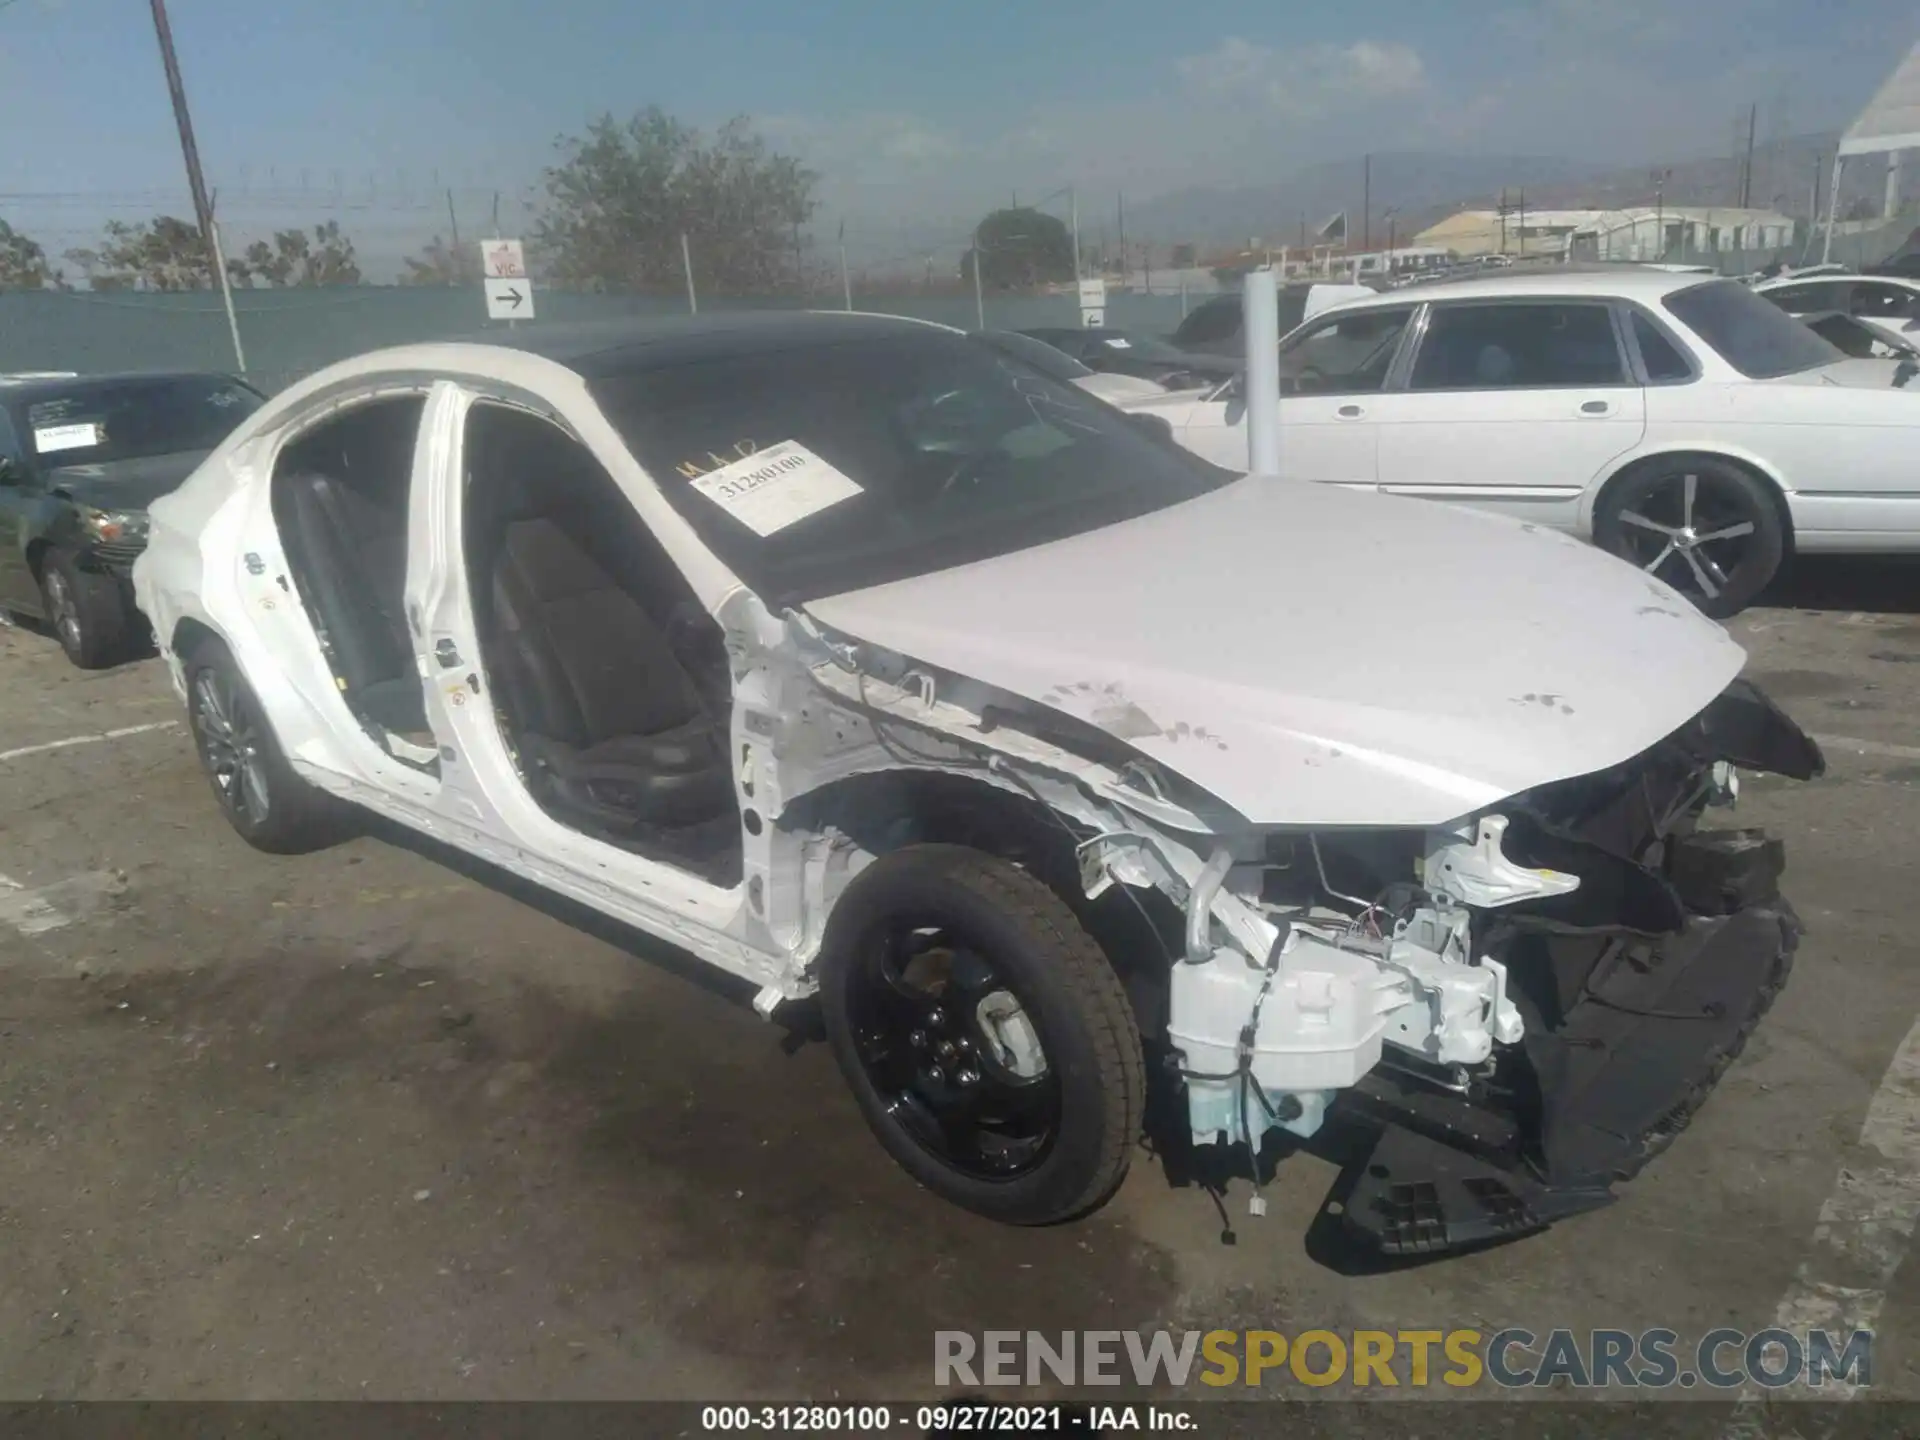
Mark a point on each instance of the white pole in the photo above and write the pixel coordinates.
(1073, 209)
(1260, 305)
(226, 294)
(686, 263)
(1833, 204)
(979, 303)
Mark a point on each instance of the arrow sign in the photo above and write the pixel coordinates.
(509, 299)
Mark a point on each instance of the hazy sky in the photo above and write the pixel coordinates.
(916, 114)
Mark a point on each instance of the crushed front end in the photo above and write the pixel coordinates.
(1524, 1008)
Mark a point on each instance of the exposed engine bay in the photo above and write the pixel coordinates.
(1533, 1001)
(1525, 1005)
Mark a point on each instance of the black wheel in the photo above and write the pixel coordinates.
(1708, 528)
(988, 1041)
(87, 610)
(270, 806)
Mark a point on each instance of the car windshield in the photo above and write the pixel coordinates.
(1759, 340)
(98, 422)
(826, 468)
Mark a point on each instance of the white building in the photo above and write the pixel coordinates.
(1674, 232)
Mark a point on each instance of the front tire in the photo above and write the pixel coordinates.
(267, 804)
(86, 609)
(1707, 527)
(986, 1038)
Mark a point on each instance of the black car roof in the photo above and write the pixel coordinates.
(601, 347)
(41, 387)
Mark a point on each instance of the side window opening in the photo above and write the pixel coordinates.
(1344, 355)
(609, 681)
(1519, 346)
(1663, 361)
(339, 495)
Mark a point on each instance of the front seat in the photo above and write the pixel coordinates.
(610, 727)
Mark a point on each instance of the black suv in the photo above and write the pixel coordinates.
(81, 458)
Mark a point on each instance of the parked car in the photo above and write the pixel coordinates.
(1860, 339)
(1889, 303)
(1685, 425)
(872, 666)
(1127, 352)
(1054, 362)
(80, 459)
(1213, 327)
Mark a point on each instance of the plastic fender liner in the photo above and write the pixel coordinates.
(1615, 893)
(1746, 728)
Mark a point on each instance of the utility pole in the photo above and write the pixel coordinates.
(190, 152)
(1522, 236)
(1660, 213)
(1503, 219)
(1746, 167)
(1120, 219)
(453, 225)
(1366, 202)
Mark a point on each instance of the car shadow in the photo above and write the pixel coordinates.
(1885, 584)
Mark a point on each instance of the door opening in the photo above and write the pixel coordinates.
(339, 498)
(608, 679)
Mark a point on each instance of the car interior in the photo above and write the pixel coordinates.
(339, 497)
(609, 680)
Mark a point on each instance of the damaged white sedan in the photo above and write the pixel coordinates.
(869, 664)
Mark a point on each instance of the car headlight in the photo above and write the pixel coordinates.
(114, 526)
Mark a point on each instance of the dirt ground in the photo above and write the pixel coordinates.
(356, 1125)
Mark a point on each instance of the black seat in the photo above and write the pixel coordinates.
(609, 722)
(352, 555)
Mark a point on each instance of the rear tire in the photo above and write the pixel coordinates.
(1012, 1082)
(86, 609)
(1705, 526)
(267, 804)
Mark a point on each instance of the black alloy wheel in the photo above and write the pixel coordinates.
(1707, 528)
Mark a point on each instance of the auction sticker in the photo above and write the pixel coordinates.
(49, 438)
(776, 487)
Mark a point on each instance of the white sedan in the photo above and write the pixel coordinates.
(1889, 303)
(1684, 424)
(867, 663)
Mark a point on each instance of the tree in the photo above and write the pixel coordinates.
(623, 195)
(23, 263)
(164, 253)
(441, 264)
(1020, 249)
(293, 259)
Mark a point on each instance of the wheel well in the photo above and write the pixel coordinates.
(896, 808)
(1647, 462)
(190, 634)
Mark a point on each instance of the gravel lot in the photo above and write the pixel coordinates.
(361, 1125)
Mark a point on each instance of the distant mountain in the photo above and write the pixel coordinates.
(1423, 187)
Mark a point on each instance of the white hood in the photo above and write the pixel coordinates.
(1313, 656)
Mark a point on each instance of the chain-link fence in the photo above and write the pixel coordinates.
(289, 333)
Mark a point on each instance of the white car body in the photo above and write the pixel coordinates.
(1890, 303)
(1840, 443)
(1254, 652)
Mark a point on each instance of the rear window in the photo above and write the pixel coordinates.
(1755, 338)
